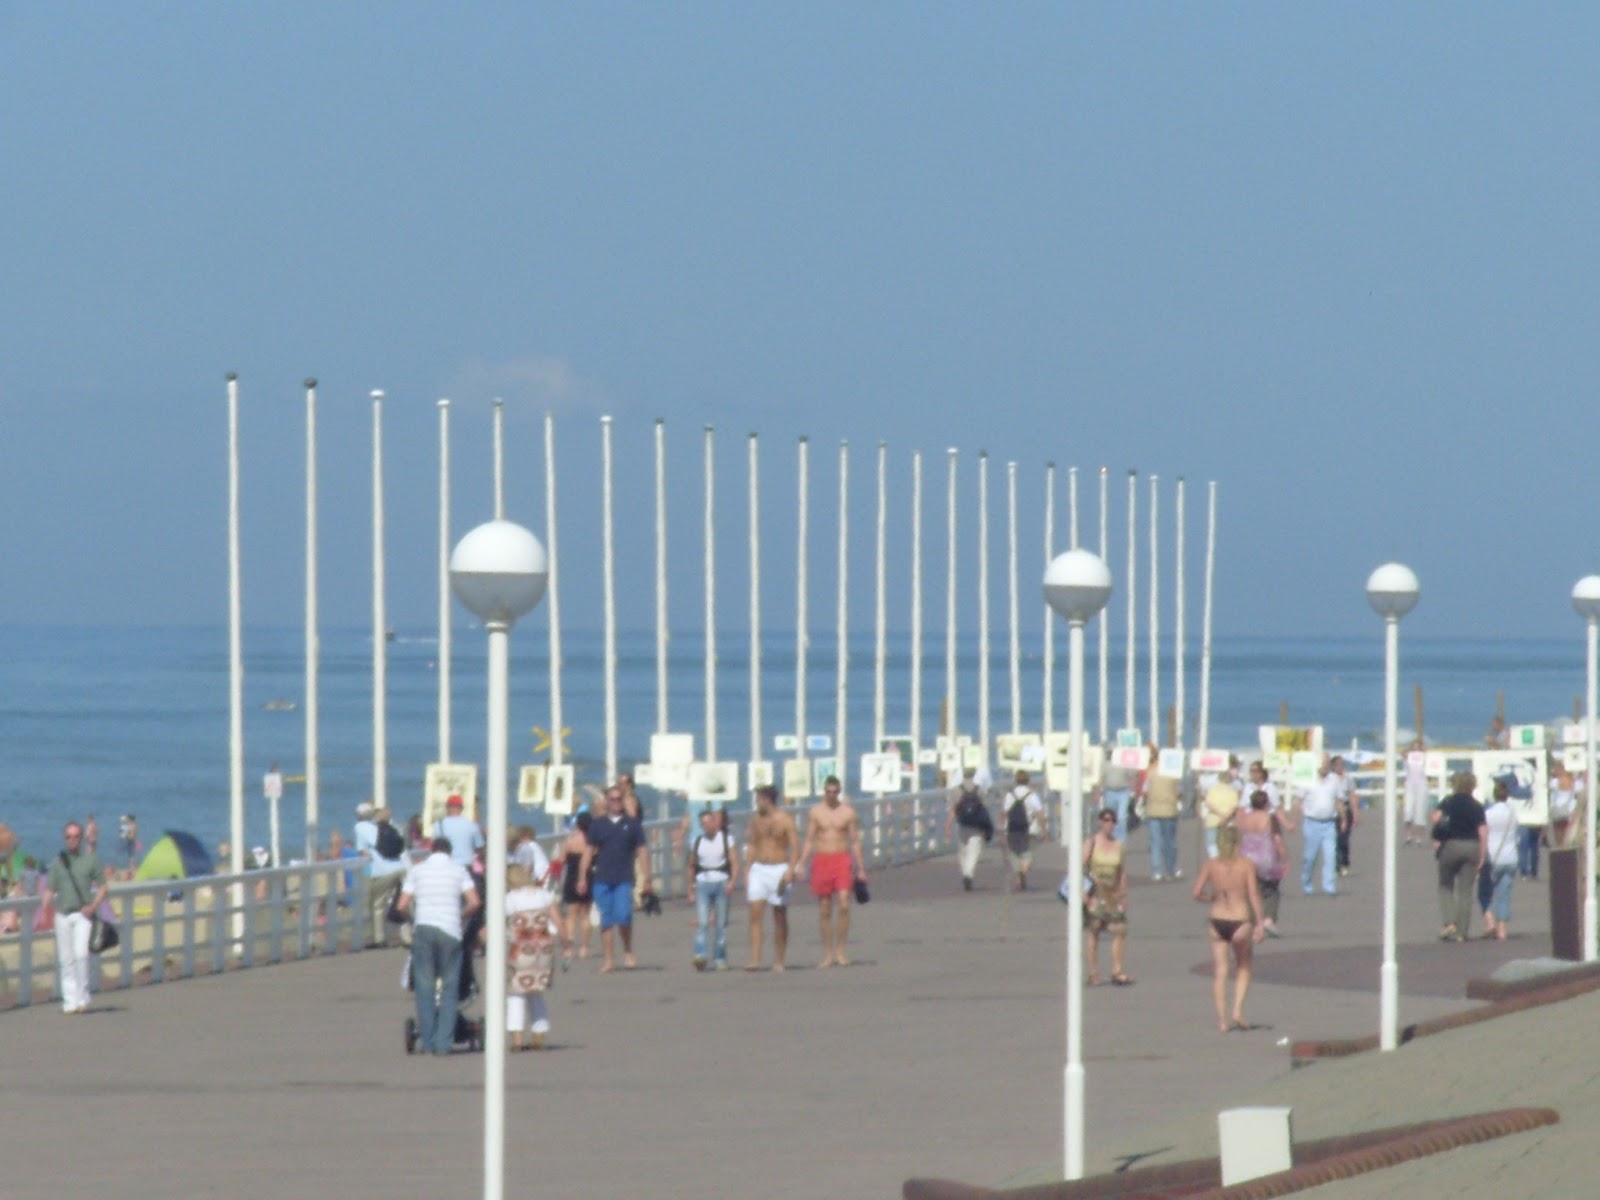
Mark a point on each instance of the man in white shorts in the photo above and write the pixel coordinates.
(773, 852)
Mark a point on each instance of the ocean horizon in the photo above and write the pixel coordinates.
(103, 721)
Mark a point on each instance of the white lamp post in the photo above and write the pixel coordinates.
(498, 571)
(1077, 585)
(1586, 602)
(1392, 591)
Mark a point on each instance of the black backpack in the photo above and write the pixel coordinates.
(1017, 815)
(971, 811)
(390, 843)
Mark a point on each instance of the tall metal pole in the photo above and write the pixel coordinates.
(801, 635)
(916, 604)
(1074, 1081)
(1048, 700)
(983, 602)
(1131, 653)
(553, 589)
(313, 646)
(661, 577)
(1072, 507)
(881, 609)
(1389, 975)
(609, 575)
(380, 619)
(755, 600)
(1015, 612)
(499, 459)
(842, 620)
(1155, 615)
(444, 581)
(1591, 925)
(951, 722)
(711, 598)
(494, 1042)
(1177, 615)
(1205, 619)
(1104, 695)
(235, 646)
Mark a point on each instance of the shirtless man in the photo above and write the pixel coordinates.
(774, 852)
(833, 835)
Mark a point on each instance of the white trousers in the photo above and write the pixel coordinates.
(518, 1009)
(971, 852)
(72, 959)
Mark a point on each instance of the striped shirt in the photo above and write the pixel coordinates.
(436, 885)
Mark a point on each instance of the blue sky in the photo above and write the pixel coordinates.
(1340, 258)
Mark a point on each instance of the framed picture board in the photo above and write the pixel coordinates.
(530, 786)
(443, 780)
(558, 789)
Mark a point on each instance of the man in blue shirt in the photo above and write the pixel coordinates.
(466, 839)
(616, 845)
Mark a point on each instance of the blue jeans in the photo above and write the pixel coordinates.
(1319, 839)
(1500, 904)
(1528, 851)
(435, 978)
(709, 895)
(1163, 845)
(1116, 799)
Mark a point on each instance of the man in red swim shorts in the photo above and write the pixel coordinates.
(833, 848)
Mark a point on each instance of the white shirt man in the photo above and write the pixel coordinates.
(440, 893)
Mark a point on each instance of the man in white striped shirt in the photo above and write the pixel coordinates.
(441, 893)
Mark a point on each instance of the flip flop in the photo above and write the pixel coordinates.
(1121, 981)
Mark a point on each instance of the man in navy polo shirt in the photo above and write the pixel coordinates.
(616, 844)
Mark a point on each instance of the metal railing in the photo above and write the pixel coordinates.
(180, 928)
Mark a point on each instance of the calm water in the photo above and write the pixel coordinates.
(107, 721)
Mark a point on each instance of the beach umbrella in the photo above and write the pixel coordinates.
(176, 855)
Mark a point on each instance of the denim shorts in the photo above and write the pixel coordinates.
(614, 901)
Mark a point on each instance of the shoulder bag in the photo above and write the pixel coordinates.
(102, 933)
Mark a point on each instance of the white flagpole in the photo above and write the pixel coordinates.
(1048, 702)
(755, 602)
(801, 635)
(711, 597)
(1013, 601)
(609, 573)
(552, 588)
(881, 613)
(444, 581)
(952, 724)
(499, 460)
(380, 619)
(1155, 618)
(1072, 507)
(916, 606)
(313, 647)
(983, 601)
(1133, 612)
(661, 577)
(1104, 698)
(1177, 617)
(842, 620)
(235, 647)
(1205, 619)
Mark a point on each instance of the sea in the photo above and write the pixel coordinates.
(107, 721)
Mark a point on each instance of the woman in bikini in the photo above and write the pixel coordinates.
(1105, 909)
(1235, 901)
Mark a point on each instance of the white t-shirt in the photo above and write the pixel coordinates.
(711, 854)
(1501, 819)
(531, 855)
(436, 885)
(1320, 801)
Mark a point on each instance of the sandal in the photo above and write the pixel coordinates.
(1121, 980)
(1094, 979)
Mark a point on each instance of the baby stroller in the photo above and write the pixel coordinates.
(468, 1033)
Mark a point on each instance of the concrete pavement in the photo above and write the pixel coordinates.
(938, 1054)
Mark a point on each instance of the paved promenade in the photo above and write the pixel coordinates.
(938, 1053)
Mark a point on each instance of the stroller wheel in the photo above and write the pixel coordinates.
(411, 1035)
(477, 1037)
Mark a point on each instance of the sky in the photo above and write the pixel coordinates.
(1339, 258)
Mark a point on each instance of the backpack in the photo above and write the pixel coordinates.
(390, 843)
(1017, 815)
(971, 811)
